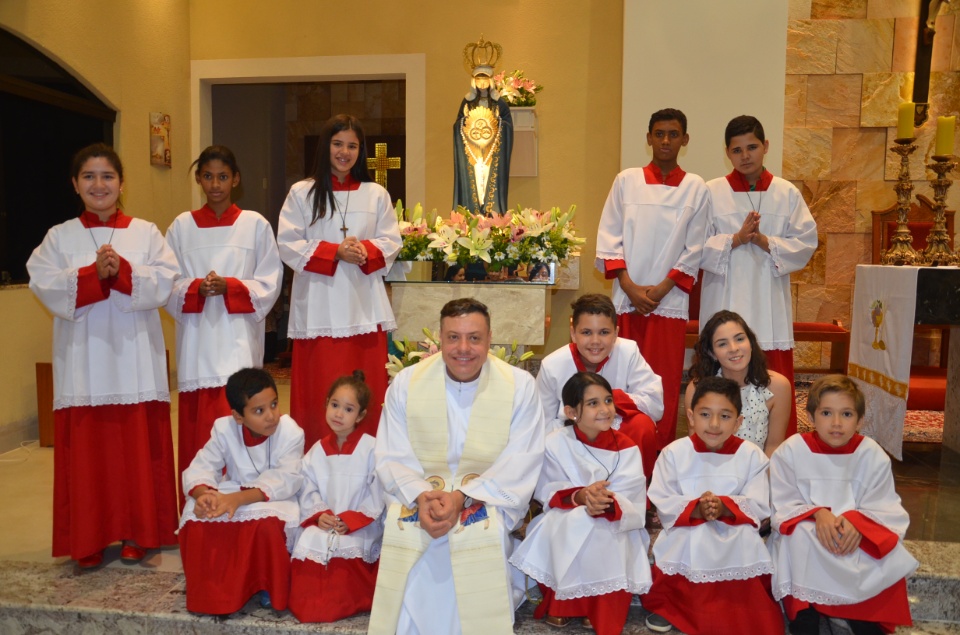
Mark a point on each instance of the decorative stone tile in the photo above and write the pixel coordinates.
(795, 101)
(832, 204)
(823, 303)
(833, 101)
(816, 270)
(872, 196)
(812, 46)
(807, 153)
(905, 45)
(806, 355)
(943, 43)
(798, 9)
(857, 153)
(882, 93)
(842, 9)
(865, 46)
(844, 253)
(893, 9)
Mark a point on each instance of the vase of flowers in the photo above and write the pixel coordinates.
(517, 89)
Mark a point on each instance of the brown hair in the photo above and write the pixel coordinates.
(835, 383)
(95, 151)
(705, 364)
(593, 304)
(360, 388)
(721, 386)
(465, 306)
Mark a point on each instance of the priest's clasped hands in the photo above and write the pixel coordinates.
(439, 511)
(353, 251)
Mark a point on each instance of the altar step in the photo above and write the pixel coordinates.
(57, 599)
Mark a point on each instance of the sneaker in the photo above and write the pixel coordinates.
(265, 600)
(658, 624)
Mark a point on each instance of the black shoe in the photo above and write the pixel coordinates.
(807, 623)
(658, 623)
(864, 628)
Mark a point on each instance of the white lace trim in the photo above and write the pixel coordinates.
(872, 516)
(608, 255)
(258, 312)
(687, 270)
(799, 511)
(111, 400)
(810, 595)
(309, 513)
(781, 345)
(777, 261)
(199, 384)
(327, 331)
(716, 575)
(584, 590)
(307, 255)
(746, 506)
(242, 515)
(353, 553)
(181, 301)
(137, 284)
(680, 314)
(72, 285)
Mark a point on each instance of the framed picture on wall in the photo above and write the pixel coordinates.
(160, 139)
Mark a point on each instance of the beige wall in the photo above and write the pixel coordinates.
(135, 56)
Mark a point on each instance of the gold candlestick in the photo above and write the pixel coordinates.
(901, 250)
(938, 251)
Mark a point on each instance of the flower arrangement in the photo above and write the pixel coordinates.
(521, 237)
(413, 352)
(517, 89)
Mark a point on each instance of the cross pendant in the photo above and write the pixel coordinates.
(344, 229)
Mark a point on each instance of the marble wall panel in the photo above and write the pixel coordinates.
(882, 93)
(807, 355)
(807, 153)
(905, 45)
(865, 46)
(844, 253)
(893, 9)
(816, 270)
(842, 9)
(812, 46)
(832, 203)
(833, 101)
(798, 9)
(943, 43)
(857, 153)
(872, 196)
(925, 141)
(823, 303)
(795, 101)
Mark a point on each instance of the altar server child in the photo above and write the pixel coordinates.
(334, 569)
(595, 348)
(339, 233)
(242, 518)
(712, 573)
(649, 240)
(838, 523)
(759, 231)
(103, 275)
(231, 275)
(588, 551)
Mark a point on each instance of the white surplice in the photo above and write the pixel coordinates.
(625, 369)
(430, 602)
(349, 302)
(573, 553)
(272, 466)
(109, 352)
(712, 551)
(213, 344)
(340, 482)
(802, 480)
(748, 280)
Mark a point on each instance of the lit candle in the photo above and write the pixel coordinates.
(945, 128)
(905, 120)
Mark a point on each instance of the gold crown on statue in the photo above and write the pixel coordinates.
(481, 57)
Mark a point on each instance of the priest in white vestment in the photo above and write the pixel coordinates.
(459, 451)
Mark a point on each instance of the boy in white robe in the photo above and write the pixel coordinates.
(637, 390)
(759, 231)
(838, 522)
(251, 509)
(712, 572)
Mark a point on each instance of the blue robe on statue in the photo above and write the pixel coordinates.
(464, 186)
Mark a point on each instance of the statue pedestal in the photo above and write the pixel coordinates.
(518, 311)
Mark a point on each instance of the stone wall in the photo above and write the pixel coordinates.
(849, 64)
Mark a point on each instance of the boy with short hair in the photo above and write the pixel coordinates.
(838, 523)
(252, 508)
(759, 231)
(712, 572)
(649, 240)
(637, 390)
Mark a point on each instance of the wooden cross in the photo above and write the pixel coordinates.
(380, 163)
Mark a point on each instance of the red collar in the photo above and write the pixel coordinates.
(329, 443)
(654, 176)
(819, 446)
(739, 183)
(206, 218)
(348, 183)
(730, 446)
(578, 360)
(118, 219)
(249, 440)
(606, 440)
